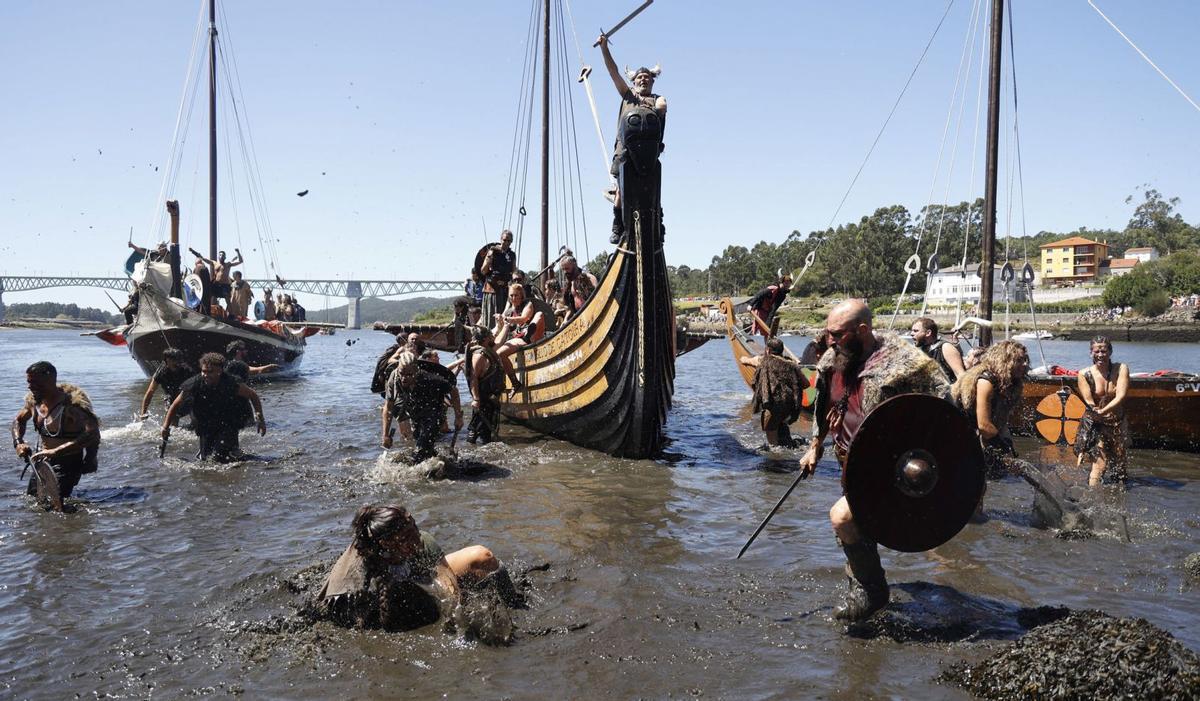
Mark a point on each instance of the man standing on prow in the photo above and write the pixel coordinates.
(765, 305)
(217, 399)
(860, 370)
(640, 94)
(497, 270)
(66, 425)
(949, 358)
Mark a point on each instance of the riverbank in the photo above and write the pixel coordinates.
(1063, 326)
(35, 323)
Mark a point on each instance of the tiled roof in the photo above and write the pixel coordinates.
(1139, 250)
(1122, 262)
(1073, 241)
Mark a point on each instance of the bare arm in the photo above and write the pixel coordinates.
(236, 261)
(263, 369)
(751, 360)
(18, 432)
(983, 411)
(954, 359)
(387, 424)
(171, 412)
(149, 394)
(522, 318)
(246, 393)
(456, 404)
(1085, 390)
(611, 65)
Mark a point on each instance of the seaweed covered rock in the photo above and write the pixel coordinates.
(1191, 565)
(1087, 654)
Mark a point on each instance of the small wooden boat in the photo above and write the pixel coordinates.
(743, 344)
(1163, 410)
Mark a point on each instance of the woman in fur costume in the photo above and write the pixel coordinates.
(988, 393)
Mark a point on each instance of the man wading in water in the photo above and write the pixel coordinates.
(65, 423)
(416, 399)
(946, 353)
(860, 370)
(170, 376)
(778, 392)
(217, 401)
(486, 381)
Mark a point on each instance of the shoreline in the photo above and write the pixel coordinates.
(54, 324)
(1131, 332)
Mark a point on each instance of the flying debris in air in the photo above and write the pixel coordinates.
(280, 280)
(302, 193)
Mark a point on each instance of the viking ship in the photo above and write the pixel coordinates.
(743, 345)
(164, 320)
(605, 379)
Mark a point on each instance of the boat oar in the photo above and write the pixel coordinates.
(767, 520)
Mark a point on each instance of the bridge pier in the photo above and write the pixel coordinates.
(2, 310)
(353, 298)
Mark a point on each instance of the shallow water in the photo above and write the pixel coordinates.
(173, 575)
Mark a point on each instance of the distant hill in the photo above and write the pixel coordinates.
(373, 309)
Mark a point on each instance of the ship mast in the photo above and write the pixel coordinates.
(212, 129)
(989, 195)
(545, 259)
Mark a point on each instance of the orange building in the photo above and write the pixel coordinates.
(1072, 261)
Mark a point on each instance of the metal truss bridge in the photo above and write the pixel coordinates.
(353, 290)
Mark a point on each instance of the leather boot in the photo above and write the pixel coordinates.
(868, 587)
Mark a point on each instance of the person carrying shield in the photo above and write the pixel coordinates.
(66, 425)
(860, 370)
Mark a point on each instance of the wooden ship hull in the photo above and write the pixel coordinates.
(162, 323)
(743, 344)
(605, 380)
(1163, 411)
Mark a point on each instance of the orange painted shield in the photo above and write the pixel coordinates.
(1059, 415)
(809, 397)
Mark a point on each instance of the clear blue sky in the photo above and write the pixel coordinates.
(397, 117)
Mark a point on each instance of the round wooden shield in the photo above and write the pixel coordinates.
(483, 254)
(1058, 417)
(914, 473)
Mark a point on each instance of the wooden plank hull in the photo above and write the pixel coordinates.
(163, 324)
(1163, 412)
(605, 380)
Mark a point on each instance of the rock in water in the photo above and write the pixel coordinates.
(1191, 565)
(1089, 654)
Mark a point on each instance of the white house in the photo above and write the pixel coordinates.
(1145, 255)
(948, 286)
(1117, 267)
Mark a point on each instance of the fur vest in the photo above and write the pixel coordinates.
(896, 367)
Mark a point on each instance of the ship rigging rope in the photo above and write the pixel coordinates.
(962, 284)
(569, 148)
(1144, 56)
(518, 161)
(913, 265)
(587, 86)
(187, 101)
(961, 80)
(895, 106)
(254, 183)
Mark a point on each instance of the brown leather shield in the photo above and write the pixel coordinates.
(914, 473)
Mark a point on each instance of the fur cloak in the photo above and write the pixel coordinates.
(896, 367)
